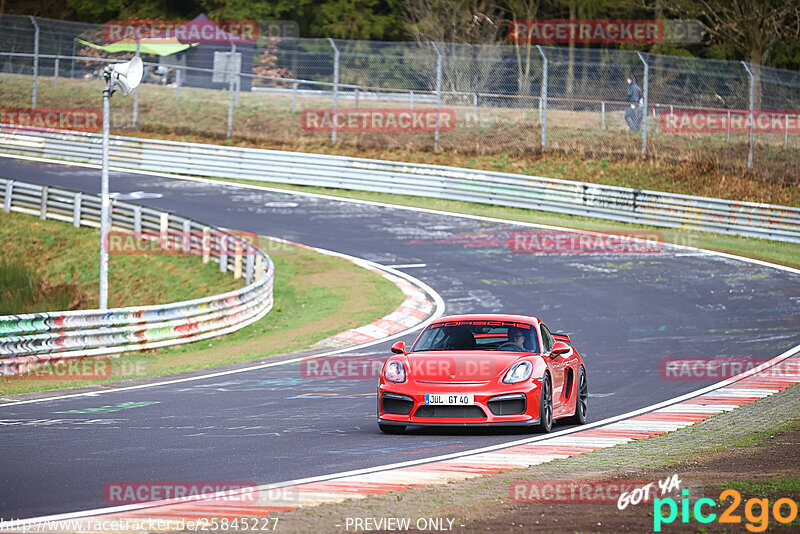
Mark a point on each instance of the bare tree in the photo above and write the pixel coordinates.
(460, 28)
(527, 55)
(753, 28)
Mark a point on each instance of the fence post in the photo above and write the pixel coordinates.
(356, 103)
(294, 97)
(603, 116)
(671, 117)
(76, 209)
(543, 99)
(475, 106)
(786, 131)
(74, 52)
(135, 117)
(728, 124)
(7, 197)
(35, 59)
(237, 259)
(55, 71)
(644, 103)
(229, 72)
(177, 82)
(335, 89)
(411, 100)
(438, 94)
(752, 118)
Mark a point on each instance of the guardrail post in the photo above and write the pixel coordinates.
(76, 209)
(187, 237)
(294, 97)
(543, 99)
(335, 89)
(43, 205)
(603, 116)
(137, 220)
(163, 229)
(7, 197)
(644, 103)
(250, 266)
(259, 268)
(752, 117)
(222, 239)
(206, 244)
(438, 93)
(35, 60)
(237, 259)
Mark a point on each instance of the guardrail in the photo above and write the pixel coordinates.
(67, 334)
(622, 204)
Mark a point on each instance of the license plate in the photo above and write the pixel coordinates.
(461, 399)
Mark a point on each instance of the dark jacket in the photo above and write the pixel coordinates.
(634, 92)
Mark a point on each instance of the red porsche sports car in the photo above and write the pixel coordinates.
(483, 370)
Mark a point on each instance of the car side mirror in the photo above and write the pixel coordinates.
(399, 347)
(559, 348)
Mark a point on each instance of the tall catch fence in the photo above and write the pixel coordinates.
(486, 99)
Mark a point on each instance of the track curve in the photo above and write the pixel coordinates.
(625, 314)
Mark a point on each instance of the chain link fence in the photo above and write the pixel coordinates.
(485, 99)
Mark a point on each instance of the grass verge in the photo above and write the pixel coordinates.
(315, 297)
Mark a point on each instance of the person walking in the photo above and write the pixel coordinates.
(633, 114)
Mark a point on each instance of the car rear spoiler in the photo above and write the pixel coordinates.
(562, 337)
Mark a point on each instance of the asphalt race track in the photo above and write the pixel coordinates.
(625, 313)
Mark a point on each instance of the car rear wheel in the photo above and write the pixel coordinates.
(582, 402)
(392, 429)
(546, 406)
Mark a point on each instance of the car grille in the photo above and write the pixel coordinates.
(507, 405)
(450, 411)
(397, 404)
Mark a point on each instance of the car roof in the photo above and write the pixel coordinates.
(489, 317)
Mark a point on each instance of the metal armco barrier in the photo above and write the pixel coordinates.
(622, 204)
(55, 335)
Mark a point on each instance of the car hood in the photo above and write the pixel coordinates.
(469, 366)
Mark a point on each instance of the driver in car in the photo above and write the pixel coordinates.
(515, 337)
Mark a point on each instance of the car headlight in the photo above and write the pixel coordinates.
(518, 373)
(395, 371)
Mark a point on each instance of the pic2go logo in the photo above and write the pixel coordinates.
(756, 511)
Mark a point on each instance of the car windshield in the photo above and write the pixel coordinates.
(478, 335)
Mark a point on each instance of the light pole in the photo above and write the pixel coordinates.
(125, 77)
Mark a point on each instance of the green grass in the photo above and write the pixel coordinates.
(765, 488)
(315, 296)
(53, 259)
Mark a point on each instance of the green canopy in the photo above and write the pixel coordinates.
(159, 47)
